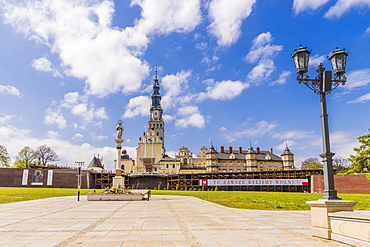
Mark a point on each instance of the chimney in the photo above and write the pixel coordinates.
(240, 150)
(222, 149)
(258, 150)
(231, 149)
(271, 150)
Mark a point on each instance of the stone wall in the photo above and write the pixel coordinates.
(351, 184)
(60, 178)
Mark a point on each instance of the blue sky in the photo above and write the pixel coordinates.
(69, 70)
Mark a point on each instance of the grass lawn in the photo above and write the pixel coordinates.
(265, 200)
(16, 194)
(234, 199)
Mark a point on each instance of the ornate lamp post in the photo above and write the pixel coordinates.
(80, 165)
(322, 85)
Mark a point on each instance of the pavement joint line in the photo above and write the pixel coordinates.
(89, 228)
(183, 227)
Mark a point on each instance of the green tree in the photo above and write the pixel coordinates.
(4, 157)
(45, 154)
(25, 157)
(362, 156)
(311, 163)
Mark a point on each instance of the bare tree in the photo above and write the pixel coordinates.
(340, 163)
(45, 154)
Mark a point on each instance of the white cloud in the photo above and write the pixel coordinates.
(282, 78)
(303, 5)
(137, 106)
(80, 31)
(227, 17)
(44, 65)
(262, 52)
(77, 136)
(189, 116)
(342, 6)
(261, 72)
(12, 132)
(224, 90)
(362, 99)
(293, 134)
(89, 113)
(316, 60)
(52, 134)
(6, 118)
(55, 117)
(358, 78)
(10, 136)
(367, 32)
(173, 86)
(79, 106)
(164, 17)
(98, 137)
(10, 90)
(343, 143)
(258, 129)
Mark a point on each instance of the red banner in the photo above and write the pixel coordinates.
(253, 182)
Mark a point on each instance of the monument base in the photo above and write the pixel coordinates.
(320, 210)
(118, 182)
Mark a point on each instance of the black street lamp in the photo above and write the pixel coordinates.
(322, 85)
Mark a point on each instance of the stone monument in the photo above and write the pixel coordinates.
(119, 179)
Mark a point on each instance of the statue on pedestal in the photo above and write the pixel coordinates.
(119, 130)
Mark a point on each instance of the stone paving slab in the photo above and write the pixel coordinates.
(162, 221)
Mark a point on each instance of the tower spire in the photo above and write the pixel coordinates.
(156, 97)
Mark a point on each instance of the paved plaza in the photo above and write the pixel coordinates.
(162, 221)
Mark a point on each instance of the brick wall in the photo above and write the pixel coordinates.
(65, 178)
(351, 184)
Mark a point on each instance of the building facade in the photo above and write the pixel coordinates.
(151, 156)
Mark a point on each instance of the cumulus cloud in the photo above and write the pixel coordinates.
(77, 136)
(282, 78)
(80, 31)
(189, 116)
(79, 106)
(137, 106)
(164, 17)
(6, 118)
(44, 65)
(262, 52)
(303, 5)
(55, 117)
(9, 90)
(343, 6)
(316, 60)
(52, 134)
(174, 85)
(226, 19)
(10, 136)
(98, 137)
(223, 90)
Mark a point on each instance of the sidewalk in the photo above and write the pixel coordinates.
(162, 221)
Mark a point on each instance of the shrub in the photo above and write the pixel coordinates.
(177, 186)
(216, 189)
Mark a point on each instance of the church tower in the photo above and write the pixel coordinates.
(151, 144)
(156, 121)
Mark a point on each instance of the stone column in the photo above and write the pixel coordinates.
(320, 222)
(119, 179)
